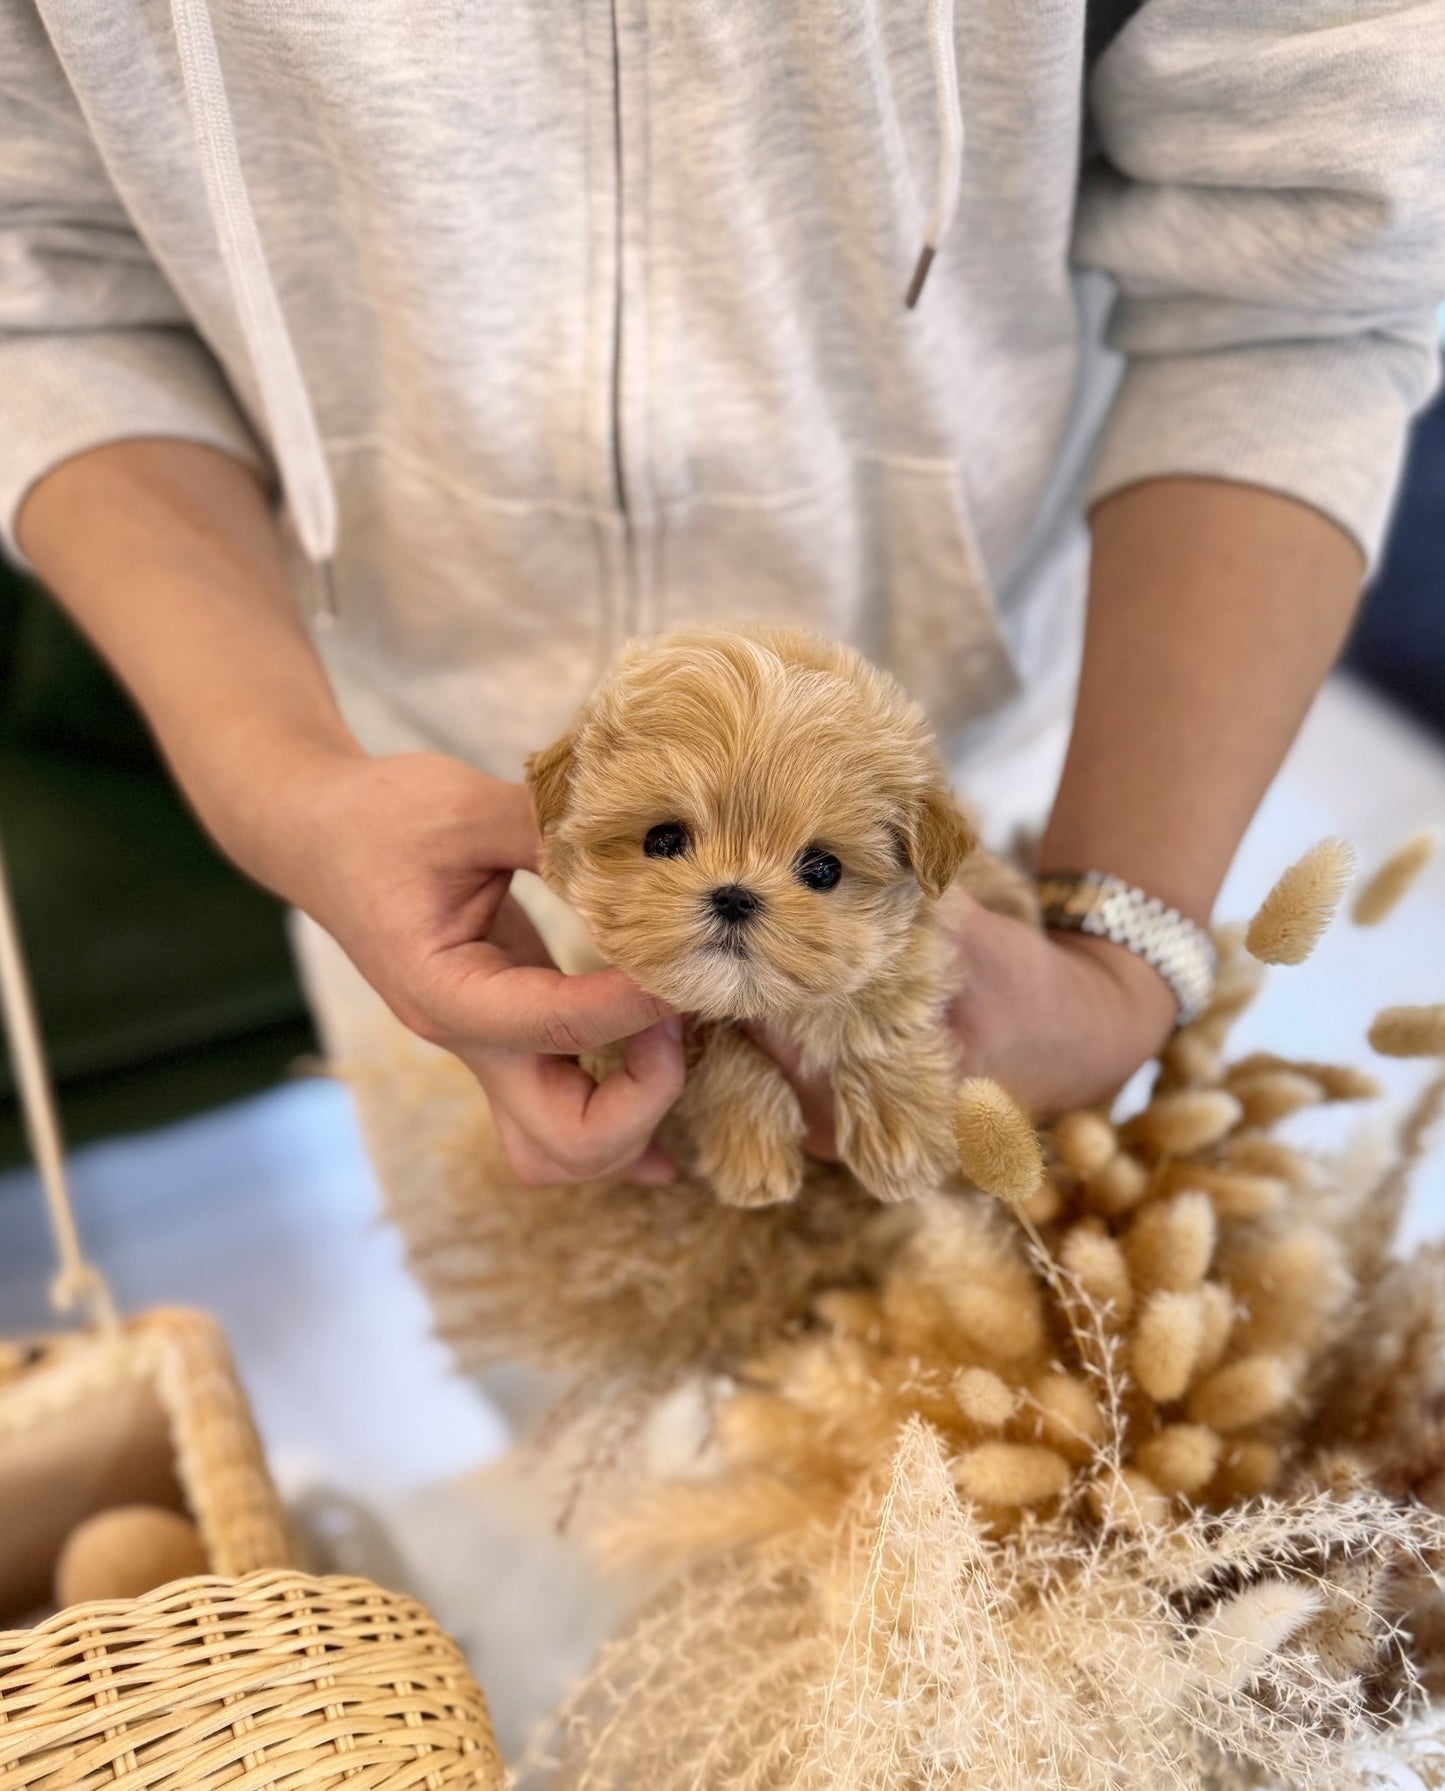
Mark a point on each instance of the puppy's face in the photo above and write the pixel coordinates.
(747, 823)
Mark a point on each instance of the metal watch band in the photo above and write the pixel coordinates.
(1108, 907)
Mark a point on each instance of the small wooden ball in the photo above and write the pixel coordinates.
(126, 1551)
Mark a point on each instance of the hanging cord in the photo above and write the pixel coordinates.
(79, 1285)
(290, 417)
(948, 181)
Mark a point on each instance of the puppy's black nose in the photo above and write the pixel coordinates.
(734, 904)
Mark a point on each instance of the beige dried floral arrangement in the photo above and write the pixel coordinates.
(1132, 1486)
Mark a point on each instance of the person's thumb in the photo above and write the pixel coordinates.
(491, 1002)
(510, 840)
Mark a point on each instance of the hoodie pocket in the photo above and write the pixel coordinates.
(884, 557)
(931, 608)
(479, 622)
(937, 620)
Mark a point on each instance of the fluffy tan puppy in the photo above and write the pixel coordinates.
(755, 825)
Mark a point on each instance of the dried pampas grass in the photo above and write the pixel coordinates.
(900, 1648)
(1289, 921)
(623, 1290)
(1208, 1318)
(1179, 1124)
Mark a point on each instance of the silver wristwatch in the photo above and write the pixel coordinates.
(1109, 908)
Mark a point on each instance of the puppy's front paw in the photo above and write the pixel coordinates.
(893, 1162)
(748, 1165)
(894, 1134)
(745, 1123)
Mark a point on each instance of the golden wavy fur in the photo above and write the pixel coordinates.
(756, 826)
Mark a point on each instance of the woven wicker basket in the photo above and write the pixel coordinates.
(257, 1677)
(273, 1680)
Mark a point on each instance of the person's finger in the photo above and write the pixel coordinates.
(533, 1166)
(514, 933)
(530, 1164)
(820, 1136)
(784, 1051)
(653, 1169)
(576, 1126)
(478, 995)
(649, 1080)
(814, 1092)
(595, 1127)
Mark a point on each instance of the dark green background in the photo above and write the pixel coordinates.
(163, 977)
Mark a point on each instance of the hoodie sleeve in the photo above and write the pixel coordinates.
(94, 343)
(1270, 204)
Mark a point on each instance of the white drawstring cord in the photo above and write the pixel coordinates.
(295, 437)
(78, 1283)
(948, 185)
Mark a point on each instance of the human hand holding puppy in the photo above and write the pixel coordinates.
(1060, 1020)
(414, 883)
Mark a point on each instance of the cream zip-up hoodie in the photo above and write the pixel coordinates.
(559, 322)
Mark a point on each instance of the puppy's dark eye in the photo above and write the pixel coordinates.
(669, 839)
(817, 869)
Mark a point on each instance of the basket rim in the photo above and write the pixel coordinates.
(175, 1594)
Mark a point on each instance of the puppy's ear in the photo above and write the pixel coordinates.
(549, 774)
(936, 838)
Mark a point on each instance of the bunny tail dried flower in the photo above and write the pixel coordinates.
(998, 1147)
(1288, 923)
(1383, 892)
(1410, 1031)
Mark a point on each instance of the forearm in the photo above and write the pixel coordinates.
(1215, 612)
(167, 555)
